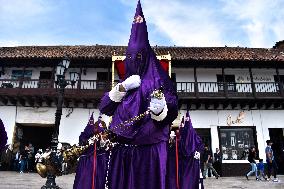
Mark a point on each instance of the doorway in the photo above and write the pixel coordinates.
(45, 79)
(229, 79)
(38, 135)
(205, 135)
(277, 136)
(102, 80)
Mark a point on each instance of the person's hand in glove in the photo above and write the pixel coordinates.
(119, 91)
(158, 108)
(157, 105)
(131, 82)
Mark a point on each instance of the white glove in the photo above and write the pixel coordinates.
(157, 105)
(115, 95)
(132, 82)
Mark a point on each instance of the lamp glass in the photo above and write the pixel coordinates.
(60, 70)
(74, 76)
(66, 63)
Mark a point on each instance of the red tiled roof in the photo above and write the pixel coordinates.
(178, 53)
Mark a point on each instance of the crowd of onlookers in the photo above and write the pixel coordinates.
(25, 160)
(258, 169)
(211, 164)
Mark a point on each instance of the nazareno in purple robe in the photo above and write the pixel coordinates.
(190, 144)
(3, 136)
(84, 172)
(139, 160)
(188, 166)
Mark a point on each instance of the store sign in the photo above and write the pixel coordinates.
(238, 120)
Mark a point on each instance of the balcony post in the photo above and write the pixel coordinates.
(195, 83)
(22, 78)
(80, 78)
(252, 83)
(280, 84)
(224, 83)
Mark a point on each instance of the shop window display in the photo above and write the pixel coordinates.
(236, 141)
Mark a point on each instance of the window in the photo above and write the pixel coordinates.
(230, 80)
(102, 80)
(44, 79)
(281, 77)
(18, 74)
(236, 141)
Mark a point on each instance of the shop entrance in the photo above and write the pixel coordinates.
(39, 135)
(277, 136)
(205, 135)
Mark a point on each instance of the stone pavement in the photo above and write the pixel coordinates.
(13, 180)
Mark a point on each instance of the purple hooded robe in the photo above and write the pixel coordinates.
(188, 165)
(84, 172)
(139, 161)
(3, 136)
(190, 144)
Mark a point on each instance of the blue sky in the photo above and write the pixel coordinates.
(201, 23)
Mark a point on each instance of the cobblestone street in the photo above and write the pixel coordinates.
(12, 180)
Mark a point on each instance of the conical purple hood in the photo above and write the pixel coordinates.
(139, 50)
(139, 35)
(190, 141)
(141, 60)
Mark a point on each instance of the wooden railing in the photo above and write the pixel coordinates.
(184, 89)
(229, 89)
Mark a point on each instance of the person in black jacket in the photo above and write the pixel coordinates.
(218, 161)
(207, 161)
(251, 159)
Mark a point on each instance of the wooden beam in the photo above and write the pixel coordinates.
(21, 100)
(85, 103)
(195, 83)
(280, 84)
(198, 106)
(4, 100)
(252, 83)
(12, 100)
(224, 82)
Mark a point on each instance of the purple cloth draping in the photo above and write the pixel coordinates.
(189, 166)
(3, 136)
(190, 144)
(138, 167)
(84, 172)
(139, 161)
(171, 181)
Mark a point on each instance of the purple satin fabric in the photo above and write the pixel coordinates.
(140, 162)
(189, 167)
(3, 136)
(84, 172)
(171, 168)
(138, 167)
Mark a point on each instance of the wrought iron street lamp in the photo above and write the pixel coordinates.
(62, 83)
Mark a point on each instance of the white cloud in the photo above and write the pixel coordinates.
(261, 20)
(19, 11)
(184, 23)
(9, 43)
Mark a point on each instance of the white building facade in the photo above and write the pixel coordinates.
(235, 100)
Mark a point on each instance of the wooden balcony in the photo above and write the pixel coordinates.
(232, 90)
(34, 92)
